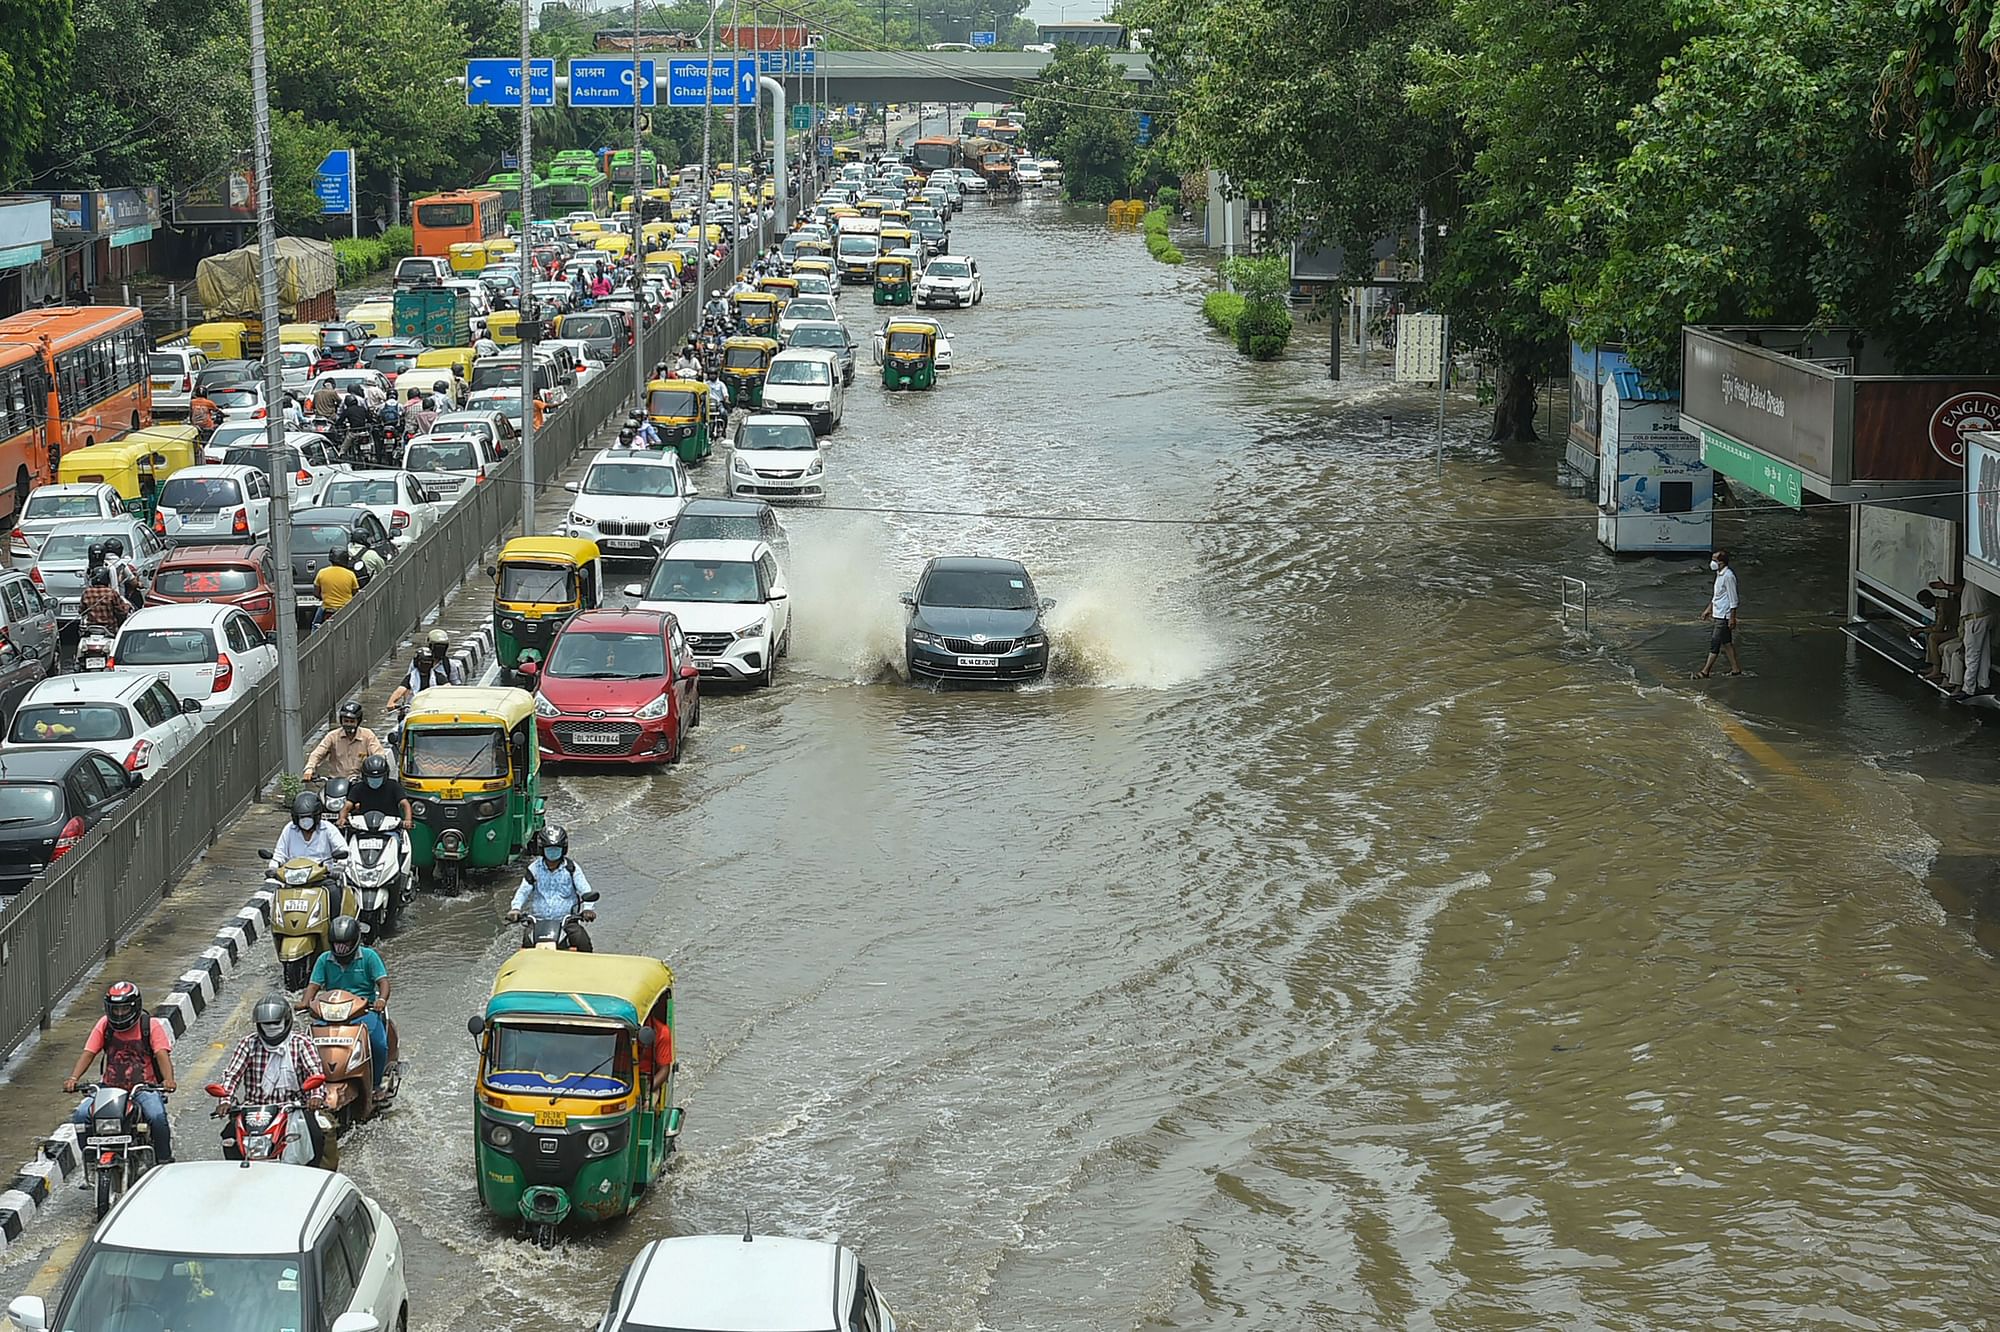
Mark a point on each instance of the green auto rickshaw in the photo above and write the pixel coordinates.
(909, 356)
(744, 362)
(892, 280)
(538, 584)
(573, 1107)
(679, 410)
(472, 770)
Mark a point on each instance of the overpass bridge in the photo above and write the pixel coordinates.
(942, 76)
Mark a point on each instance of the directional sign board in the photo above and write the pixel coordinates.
(729, 82)
(788, 62)
(334, 182)
(491, 82)
(609, 83)
(826, 145)
(985, 39)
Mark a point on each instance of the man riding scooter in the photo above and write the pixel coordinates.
(554, 888)
(271, 1064)
(308, 834)
(135, 1047)
(349, 965)
(345, 748)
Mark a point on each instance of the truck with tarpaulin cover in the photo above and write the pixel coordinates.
(231, 286)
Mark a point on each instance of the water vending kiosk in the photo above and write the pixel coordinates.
(1654, 492)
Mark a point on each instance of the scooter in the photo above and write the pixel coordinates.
(93, 649)
(551, 933)
(378, 870)
(117, 1145)
(275, 1130)
(306, 893)
(342, 1041)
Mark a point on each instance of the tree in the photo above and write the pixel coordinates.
(1080, 110)
(1942, 92)
(37, 50)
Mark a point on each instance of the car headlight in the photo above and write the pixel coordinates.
(418, 807)
(824, 404)
(754, 629)
(663, 522)
(543, 708)
(818, 466)
(926, 638)
(655, 710)
(580, 518)
(737, 463)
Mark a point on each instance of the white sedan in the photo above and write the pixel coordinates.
(406, 505)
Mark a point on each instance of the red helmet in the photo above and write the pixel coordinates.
(122, 1004)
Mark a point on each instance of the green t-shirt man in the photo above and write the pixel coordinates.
(357, 975)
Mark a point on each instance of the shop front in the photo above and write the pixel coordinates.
(1805, 416)
(27, 238)
(103, 237)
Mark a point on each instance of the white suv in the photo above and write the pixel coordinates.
(129, 716)
(769, 1282)
(806, 381)
(731, 602)
(172, 370)
(950, 279)
(209, 1243)
(777, 456)
(627, 501)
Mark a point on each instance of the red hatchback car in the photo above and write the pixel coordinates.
(224, 575)
(619, 686)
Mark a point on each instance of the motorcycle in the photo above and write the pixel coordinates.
(117, 1145)
(379, 869)
(306, 892)
(93, 649)
(342, 1042)
(272, 1130)
(552, 933)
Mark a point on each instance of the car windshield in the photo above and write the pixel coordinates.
(319, 538)
(362, 491)
(70, 547)
(504, 402)
(575, 1061)
(857, 246)
(475, 755)
(608, 656)
(717, 527)
(27, 802)
(391, 361)
(538, 583)
(128, 1288)
(982, 589)
(66, 723)
(947, 268)
(704, 580)
(743, 358)
(204, 580)
(646, 480)
(295, 358)
(797, 372)
(195, 493)
(253, 455)
(45, 505)
(442, 456)
(777, 435)
(818, 337)
(165, 647)
(673, 402)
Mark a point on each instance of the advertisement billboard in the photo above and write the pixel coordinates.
(227, 200)
(1982, 510)
(1781, 407)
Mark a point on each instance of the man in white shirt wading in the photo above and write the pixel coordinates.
(1721, 610)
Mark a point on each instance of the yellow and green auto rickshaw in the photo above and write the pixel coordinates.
(811, 249)
(468, 257)
(679, 410)
(538, 584)
(756, 311)
(298, 335)
(892, 280)
(784, 288)
(573, 1107)
(504, 327)
(909, 356)
(472, 770)
(501, 247)
(897, 238)
(135, 465)
(744, 361)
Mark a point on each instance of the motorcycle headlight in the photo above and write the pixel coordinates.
(543, 708)
(298, 874)
(598, 1143)
(655, 710)
(754, 629)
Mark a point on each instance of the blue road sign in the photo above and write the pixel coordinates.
(510, 161)
(985, 39)
(806, 61)
(609, 83)
(788, 62)
(729, 83)
(334, 182)
(493, 82)
(1145, 128)
(826, 145)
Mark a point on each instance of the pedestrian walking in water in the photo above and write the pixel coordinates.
(1721, 612)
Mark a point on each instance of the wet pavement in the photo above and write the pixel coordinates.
(1335, 941)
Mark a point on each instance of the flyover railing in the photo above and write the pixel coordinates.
(67, 921)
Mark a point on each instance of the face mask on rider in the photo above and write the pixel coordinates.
(375, 783)
(552, 854)
(1715, 566)
(306, 823)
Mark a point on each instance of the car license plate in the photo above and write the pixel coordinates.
(596, 737)
(979, 661)
(163, 384)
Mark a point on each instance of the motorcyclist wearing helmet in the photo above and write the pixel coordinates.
(136, 1047)
(554, 886)
(309, 833)
(337, 584)
(377, 792)
(345, 748)
(101, 607)
(433, 666)
(348, 964)
(272, 1063)
(125, 576)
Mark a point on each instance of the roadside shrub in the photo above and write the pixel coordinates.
(1169, 198)
(1158, 243)
(358, 257)
(1223, 310)
(400, 240)
(1263, 330)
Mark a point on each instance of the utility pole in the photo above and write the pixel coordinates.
(290, 729)
(527, 303)
(701, 208)
(639, 366)
(736, 116)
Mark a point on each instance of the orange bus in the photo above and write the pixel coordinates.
(442, 220)
(69, 377)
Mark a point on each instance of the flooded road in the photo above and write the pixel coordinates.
(1335, 942)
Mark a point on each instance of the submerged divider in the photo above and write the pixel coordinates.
(67, 921)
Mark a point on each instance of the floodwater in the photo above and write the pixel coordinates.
(1337, 941)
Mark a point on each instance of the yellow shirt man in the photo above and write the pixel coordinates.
(336, 586)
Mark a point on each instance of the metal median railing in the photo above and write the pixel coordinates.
(66, 922)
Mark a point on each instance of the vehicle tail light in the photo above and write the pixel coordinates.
(20, 536)
(111, 663)
(35, 575)
(72, 833)
(260, 414)
(159, 523)
(187, 384)
(399, 519)
(225, 671)
(257, 604)
(141, 755)
(242, 524)
(304, 477)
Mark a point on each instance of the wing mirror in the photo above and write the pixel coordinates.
(29, 1313)
(1048, 603)
(474, 1025)
(779, 594)
(634, 590)
(646, 1038)
(908, 599)
(313, 1083)
(190, 705)
(690, 673)
(570, 486)
(590, 896)
(263, 853)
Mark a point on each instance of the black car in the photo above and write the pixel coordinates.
(730, 520)
(320, 529)
(50, 796)
(976, 619)
(227, 372)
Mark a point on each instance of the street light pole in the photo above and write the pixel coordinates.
(638, 229)
(736, 117)
(525, 305)
(701, 208)
(290, 730)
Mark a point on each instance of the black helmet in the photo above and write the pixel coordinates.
(122, 1005)
(375, 765)
(350, 711)
(273, 1016)
(94, 554)
(343, 937)
(555, 837)
(305, 805)
(334, 793)
(100, 577)
(114, 547)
